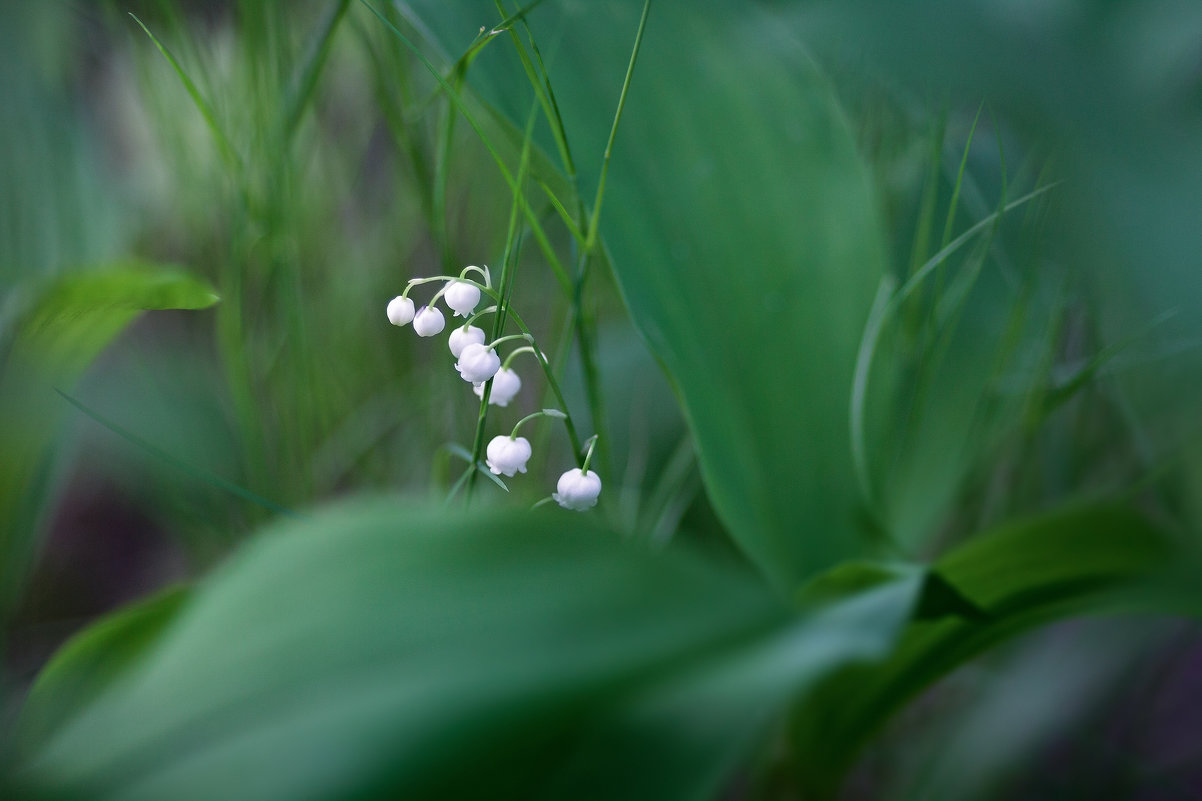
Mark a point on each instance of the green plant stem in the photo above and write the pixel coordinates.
(200, 473)
(544, 363)
(536, 228)
(588, 457)
(591, 234)
(540, 80)
(505, 289)
(299, 98)
(573, 436)
(228, 154)
(509, 359)
(441, 177)
(584, 326)
(399, 125)
(509, 338)
(534, 416)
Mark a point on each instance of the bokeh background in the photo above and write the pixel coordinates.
(1055, 358)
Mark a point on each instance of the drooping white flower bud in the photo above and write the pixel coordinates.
(428, 321)
(461, 297)
(477, 363)
(577, 490)
(505, 385)
(400, 310)
(505, 456)
(462, 336)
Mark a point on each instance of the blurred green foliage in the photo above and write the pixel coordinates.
(913, 283)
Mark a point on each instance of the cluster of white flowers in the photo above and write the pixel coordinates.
(478, 363)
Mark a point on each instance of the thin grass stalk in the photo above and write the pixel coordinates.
(532, 220)
(508, 272)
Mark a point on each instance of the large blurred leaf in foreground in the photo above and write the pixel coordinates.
(50, 335)
(742, 230)
(90, 662)
(378, 649)
(1076, 561)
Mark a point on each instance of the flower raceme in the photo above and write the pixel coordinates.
(507, 455)
(478, 362)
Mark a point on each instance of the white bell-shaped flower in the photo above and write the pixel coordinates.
(428, 321)
(506, 456)
(477, 363)
(577, 490)
(463, 336)
(400, 310)
(461, 297)
(505, 385)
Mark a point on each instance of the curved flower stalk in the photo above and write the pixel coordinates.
(508, 455)
(461, 294)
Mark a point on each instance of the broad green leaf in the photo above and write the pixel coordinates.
(1072, 562)
(742, 230)
(684, 735)
(50, 335)
(83, 668)
(66, 323)
(744, 236)
(379, 650)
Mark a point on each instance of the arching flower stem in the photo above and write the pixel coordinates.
(508, 359)
(488, 290)
(478, 315)
(573, 437)
(484, 273)
(588, 457)
(542, 413)
(493, 345)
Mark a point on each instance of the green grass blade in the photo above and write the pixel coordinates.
(228, 154)
(954, 202)
(568, 222)
(199, 473)
(877, 316)
(916, 279)
(302, 91)
(595, 220)
(540, 81)
(531, 218)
